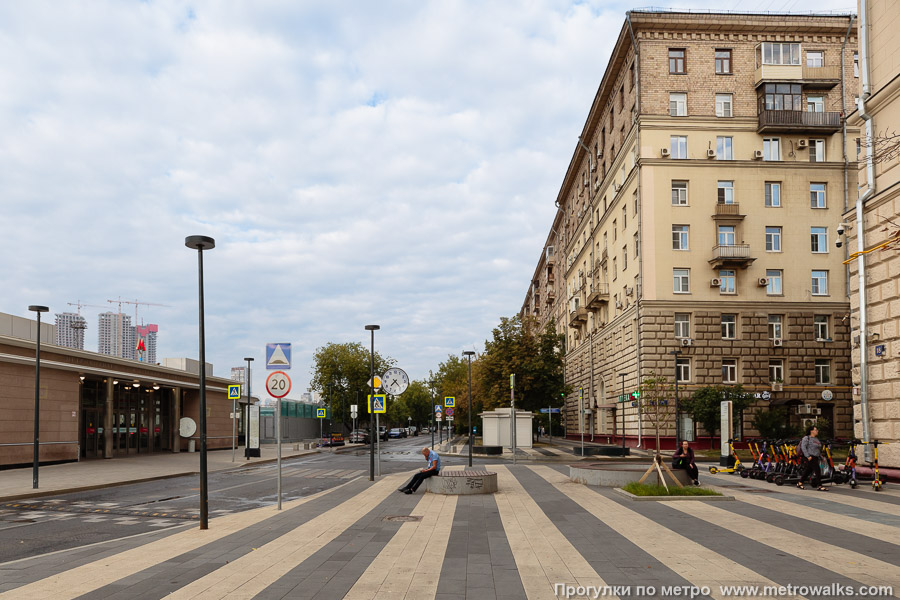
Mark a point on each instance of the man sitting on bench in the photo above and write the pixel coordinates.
(434, 467)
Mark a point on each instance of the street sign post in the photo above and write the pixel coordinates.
(234, 394)
(278, 384)
(321, 413)
(449, 401)
(278, 356)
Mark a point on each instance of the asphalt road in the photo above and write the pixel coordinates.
(33, 527)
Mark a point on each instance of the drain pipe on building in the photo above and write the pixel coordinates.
(590, 333)
(639, 284)
(861, 229)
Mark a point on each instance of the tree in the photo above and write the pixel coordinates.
(339, 371)
(704, 405)
(535, 357)
(654, 403)
(772, 423)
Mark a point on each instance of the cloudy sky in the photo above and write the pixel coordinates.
(357, 162)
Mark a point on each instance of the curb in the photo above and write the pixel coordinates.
(631, 496)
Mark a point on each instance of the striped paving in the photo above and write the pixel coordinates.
(364, 541)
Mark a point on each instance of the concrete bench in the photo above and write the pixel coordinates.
(458, 483)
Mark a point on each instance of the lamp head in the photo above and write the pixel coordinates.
(38, 308)
(199, 242)
(373, 327)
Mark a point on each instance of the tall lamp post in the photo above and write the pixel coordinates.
(247, 421)
(622, 375)
(469, 354)
(676, 353)
(37, 309)
(201, 243)
(372, 431)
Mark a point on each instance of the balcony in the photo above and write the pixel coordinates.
(798, 121)
(728, 212)
(578, 317)
(811, 77)
(598, 294)
(551, 295)
(734, 255)
(821, 77)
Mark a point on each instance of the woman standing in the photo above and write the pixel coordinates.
(810, 452)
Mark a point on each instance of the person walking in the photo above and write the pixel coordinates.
(684, 459)
(810, 449)
(434, 467)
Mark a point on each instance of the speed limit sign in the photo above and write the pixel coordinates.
(278, 384)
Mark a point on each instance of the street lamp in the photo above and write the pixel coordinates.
(249, 359)
(37, 393)
(622, 375)
(676, 353)
(469, 354)
(201, 243)
(372, 431)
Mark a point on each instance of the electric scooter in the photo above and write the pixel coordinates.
(738, 466)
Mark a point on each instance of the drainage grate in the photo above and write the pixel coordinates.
(402, 518)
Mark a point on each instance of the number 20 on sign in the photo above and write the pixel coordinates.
(278, 384)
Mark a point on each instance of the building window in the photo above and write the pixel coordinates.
(725, 193)
(776, 370)
(680, 237)
(615, 231)
(729, 327)
(624, 258)
(683, 369)
(816, 150)
(622, 98)
(773, 283)
(723, 105)
(823, 371)
(676, 61)
(637, 246)
(775, 53)
(820, 326)
(776, 323)
(818, 239)
(729, 370)
(820, 283)
(682, 325)
(815, 104)
(728, 283)
(679, 193)
(856, 64)
(726, 235)
(615, 270)
(815, 58)
(624, 217)
(724, 148)
(783, 96)
(723, 61)
(635, 200)
(773, 239)
(817, 195)
(771, 148)
(677, 105)
(631, 77)
(773, 194)
(682, 281)
(678, 146)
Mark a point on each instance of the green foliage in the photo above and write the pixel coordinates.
(339, 371)
(535, 357)
(704, 405)
(644, 489)
(656, 401)
(772, 423)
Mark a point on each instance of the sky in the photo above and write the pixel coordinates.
(392, 163)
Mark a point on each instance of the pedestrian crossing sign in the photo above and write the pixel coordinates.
(449, 401)
(380, 404)
(321, 413)
(234, 391)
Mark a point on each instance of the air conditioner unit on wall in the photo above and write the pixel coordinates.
(804, 409)
(808, 422)
(686, 341)
(757, 154)
(762, 281)
(710, 153)
(715, 282)
(664, 152)
(801, 144)
(778, 342)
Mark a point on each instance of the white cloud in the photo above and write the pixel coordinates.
(393, 163)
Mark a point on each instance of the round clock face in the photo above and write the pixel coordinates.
(395, 381)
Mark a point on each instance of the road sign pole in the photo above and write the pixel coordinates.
(233, 428)
(378, 444)
(278, 435)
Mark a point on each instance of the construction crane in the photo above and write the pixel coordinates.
(81, 305)
(136, 303)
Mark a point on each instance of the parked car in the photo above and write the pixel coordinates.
(359, 436)
(396, 432)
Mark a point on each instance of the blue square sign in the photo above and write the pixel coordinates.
(278, 356)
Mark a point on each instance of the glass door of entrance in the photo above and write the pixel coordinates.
(91, 433)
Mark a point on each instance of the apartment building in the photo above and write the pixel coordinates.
(879, 202)
(70, 330)
(697, 218)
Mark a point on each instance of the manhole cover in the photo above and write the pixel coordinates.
(402, 518)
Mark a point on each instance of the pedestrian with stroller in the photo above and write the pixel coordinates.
(810, 450)
(684, 459)
(434, 467)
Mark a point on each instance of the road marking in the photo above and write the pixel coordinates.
(685, 557)
(543, 555)
(853, 565)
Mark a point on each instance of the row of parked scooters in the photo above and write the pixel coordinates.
(779, 462)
